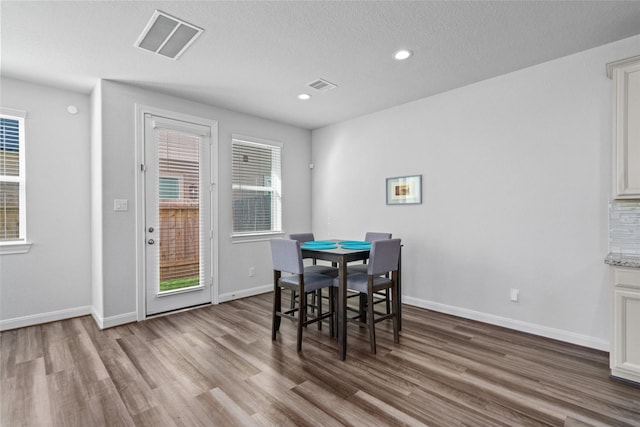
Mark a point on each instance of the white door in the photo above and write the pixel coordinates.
(178, 221)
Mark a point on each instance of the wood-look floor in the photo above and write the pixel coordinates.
(218, 366)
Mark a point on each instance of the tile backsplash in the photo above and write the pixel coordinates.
(624, 226)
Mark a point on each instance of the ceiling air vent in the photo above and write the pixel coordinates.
(167, 36)
(322, 85)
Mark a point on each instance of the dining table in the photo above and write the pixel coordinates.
(339, 253)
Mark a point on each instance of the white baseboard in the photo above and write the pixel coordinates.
(35, 319)
(532, 328)
(230, 296)
(518, 325)
(110, 322)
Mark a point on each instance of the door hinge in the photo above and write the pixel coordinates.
(143, 167)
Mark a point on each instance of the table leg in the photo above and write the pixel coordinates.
(342, 310)
(398, 303)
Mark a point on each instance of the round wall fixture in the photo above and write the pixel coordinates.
(402, 54)
(72, 109)
(304, 96)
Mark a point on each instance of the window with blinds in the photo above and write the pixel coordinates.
(180, 213)
(12, 168)
(256, 186)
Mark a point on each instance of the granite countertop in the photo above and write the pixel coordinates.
(623, 260)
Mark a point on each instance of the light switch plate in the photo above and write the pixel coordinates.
(120, 205)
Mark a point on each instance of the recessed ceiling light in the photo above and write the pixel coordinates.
(402, 54)
(304, 96)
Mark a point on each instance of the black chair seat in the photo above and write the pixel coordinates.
(359, 282)
(312, 281)
(327, 270)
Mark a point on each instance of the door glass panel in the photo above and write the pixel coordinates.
(179, 210)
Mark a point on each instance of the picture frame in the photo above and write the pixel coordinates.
(404, 190)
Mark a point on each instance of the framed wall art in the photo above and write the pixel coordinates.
(404, 190)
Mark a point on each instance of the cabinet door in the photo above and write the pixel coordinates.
(627, 130)
(625, 357)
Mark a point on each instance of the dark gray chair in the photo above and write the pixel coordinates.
(314, 268)
(368, 237)
(383, 259)
(287, 257)
(382, 297)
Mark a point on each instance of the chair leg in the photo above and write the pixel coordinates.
(318, 296)
(332, 309)
(277, 307)
(293, 299)
(313, 302)
(302, 317)
(371, 322)
(362, 305)
(396, 329)
(387, 303)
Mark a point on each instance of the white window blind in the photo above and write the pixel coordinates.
(256, 186)
(180, 214)
(12, 179)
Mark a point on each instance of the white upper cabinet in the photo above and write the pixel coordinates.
(626, 127)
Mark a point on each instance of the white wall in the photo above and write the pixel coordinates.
(52, 280)
(83, 255)
(119, 169)
(516, 182)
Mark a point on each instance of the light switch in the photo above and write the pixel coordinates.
(120, 205)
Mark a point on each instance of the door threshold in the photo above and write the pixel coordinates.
(179, 310)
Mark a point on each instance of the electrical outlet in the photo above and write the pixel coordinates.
(514, 295)
(252, 271)
(120, 205)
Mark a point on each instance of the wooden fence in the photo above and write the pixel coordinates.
(179, 241)
(10, 223)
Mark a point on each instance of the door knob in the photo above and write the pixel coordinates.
(151, 241)
(150, 229)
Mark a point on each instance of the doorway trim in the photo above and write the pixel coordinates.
(140, 111)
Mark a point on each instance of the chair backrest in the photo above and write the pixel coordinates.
(372, 236)
(287, 256)
(384, 256)
(302, 237)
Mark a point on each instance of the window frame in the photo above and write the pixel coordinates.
(275, 188)
(20, 245)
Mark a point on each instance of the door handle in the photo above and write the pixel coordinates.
(151, 241)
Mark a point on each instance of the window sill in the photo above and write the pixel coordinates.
(255, 237)
(15, 248)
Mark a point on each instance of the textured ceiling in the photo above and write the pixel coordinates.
(256, 56)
